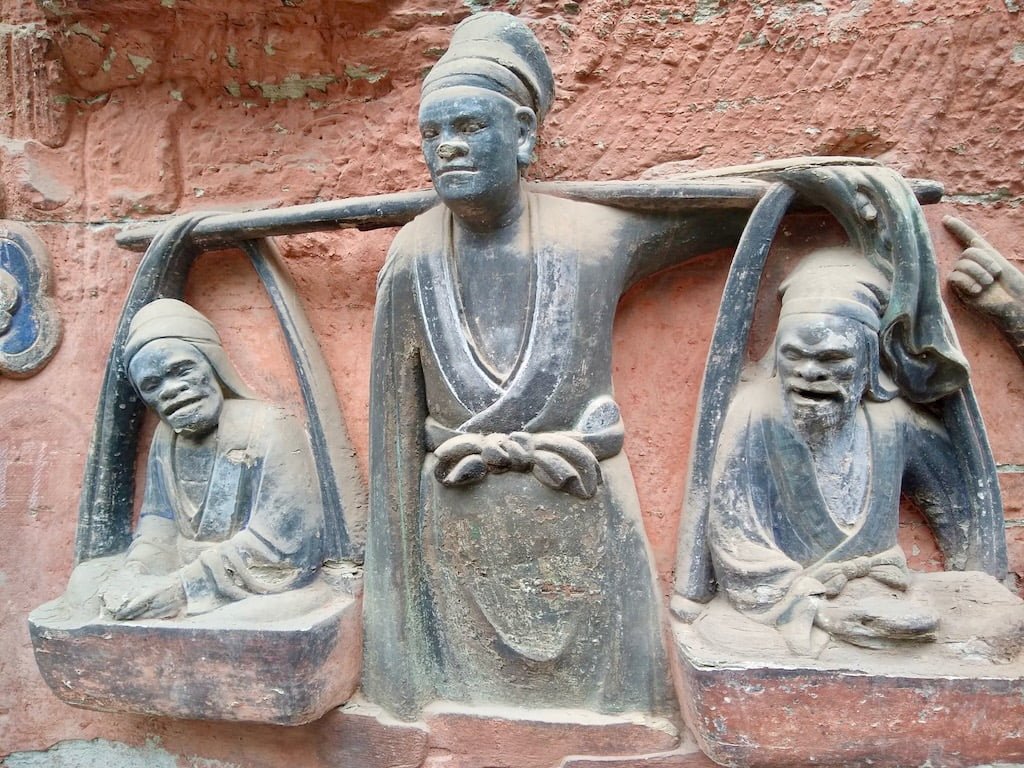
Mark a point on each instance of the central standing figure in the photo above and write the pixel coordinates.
(506, 560)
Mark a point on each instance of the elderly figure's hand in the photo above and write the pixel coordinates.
(145, 597)
(983, 278)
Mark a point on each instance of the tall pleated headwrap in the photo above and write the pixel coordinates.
(836, 281)
(498, 52)
(843, 283)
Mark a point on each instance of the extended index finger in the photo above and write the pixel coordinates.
(964, 233)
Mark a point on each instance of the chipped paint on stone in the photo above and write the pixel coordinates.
(363, 72)
(707, 10)
(109, 61)
(294, 86)
(78, 28)
(784, 13)
(141, 63)
(1017, 54)
(749, 41)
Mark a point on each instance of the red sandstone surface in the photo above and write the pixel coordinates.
(132, 110)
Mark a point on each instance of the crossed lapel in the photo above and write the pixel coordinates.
(814, 536)
(805, 525)
(516, 402)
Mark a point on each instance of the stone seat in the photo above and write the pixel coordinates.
(285, 659)
(954, 702)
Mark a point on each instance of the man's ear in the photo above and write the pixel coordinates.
(526, 120)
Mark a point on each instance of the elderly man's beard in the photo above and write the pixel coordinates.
(820, 418)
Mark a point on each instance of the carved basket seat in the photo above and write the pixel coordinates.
(849, 704)
(285, 659)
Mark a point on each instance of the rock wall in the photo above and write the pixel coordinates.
(118, 112)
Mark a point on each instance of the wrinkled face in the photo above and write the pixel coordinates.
(176, 380)
(822, 362)
(474, 142)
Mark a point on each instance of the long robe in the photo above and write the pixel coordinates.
(534, 586)
(259, 527)
(771, 527)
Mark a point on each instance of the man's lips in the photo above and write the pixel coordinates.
(455, 169)
(177, 405)
(819, 394)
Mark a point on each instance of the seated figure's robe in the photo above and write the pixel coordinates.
(259, 528)
(533, 586)
(772, 532)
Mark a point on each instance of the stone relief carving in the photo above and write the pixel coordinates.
(917, 346)
(241, 545)
(792, 508)
(506, 559)
(811, 463)
(29, 324)
(231, 508)
(988, 283)
(506, 562)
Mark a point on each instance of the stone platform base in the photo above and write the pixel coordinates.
(955, 702)
(285, 659)
(453, 736)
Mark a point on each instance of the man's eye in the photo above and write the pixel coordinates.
(834, 357)
(181, 369)
(429, 133)
(473, 126)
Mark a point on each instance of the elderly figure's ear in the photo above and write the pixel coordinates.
(526, 120)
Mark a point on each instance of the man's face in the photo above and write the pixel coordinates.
(474, 141)
(823, 367)
(176, 380)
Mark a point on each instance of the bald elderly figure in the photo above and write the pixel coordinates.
(231, 506)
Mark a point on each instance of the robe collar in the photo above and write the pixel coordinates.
(226, 504)
(816, 533)
(519, 400)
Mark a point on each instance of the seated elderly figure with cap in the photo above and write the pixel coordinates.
(810, 468)
(506, 556)
(231, 507)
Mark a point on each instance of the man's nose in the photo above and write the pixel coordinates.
(172, 388)
(449, 150)
(811, 370)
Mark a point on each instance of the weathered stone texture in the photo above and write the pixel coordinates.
(137, 109)
(497, 738)
(32, 105)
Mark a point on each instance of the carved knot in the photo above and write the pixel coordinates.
(557, 460)
(567, 461)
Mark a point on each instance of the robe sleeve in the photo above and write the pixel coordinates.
(154, 546)
(397, 660)
(280, 546)
(154, 549)
(934, 481)
(657, 241)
